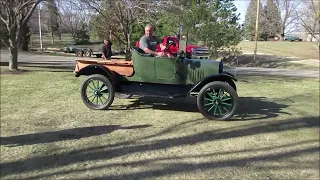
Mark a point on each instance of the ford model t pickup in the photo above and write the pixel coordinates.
(146, 75)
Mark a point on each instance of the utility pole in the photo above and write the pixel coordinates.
(40, 26)
(256, 33)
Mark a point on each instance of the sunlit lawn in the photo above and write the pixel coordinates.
(305, 50)
(47, 132)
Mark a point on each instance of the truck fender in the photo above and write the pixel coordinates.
(94, 69)
(224, 76)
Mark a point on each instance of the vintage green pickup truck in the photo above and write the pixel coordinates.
(146, 75)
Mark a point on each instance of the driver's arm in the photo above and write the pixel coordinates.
(149, 51)
(144, 46)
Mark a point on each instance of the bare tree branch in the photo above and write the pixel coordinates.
(4, 43)
(27, 17)
(23, 5)
(3, 20)
(17, 14)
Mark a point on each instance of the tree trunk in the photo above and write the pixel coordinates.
(128, 45)
(24, 38)
(59, 34)
(23, 45)
(282, 33)
(52, 36)
(13, 48)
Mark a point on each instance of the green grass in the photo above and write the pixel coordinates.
(305, 50)
(283, 55)
(47, 132)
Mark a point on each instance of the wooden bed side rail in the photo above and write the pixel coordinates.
(121, 67)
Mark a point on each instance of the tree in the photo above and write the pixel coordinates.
(25, 37)
(219, 27)
(289, 15)
(73, 19)
(52, 17)
(3, 34)
(250, 20)
(15, 14)
(120, 17)
(81, 35)
(272, 24)
(310, 18)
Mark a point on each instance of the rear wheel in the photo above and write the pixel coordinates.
(217, 101)
(97, 92)
(88, 52)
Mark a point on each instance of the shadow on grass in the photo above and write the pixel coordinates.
(106, 153)
(185, 167)
(249, 108)
(63, 135)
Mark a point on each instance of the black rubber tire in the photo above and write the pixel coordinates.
(107, 82)
(217, 85)
(87, 53)
(79, 53)
(231, 83)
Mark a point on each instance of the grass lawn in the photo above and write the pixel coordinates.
(305, 50)
(284, 55)
(47, 132)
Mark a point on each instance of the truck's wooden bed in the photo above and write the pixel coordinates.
(120, 66)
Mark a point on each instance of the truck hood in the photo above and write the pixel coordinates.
(197, 69)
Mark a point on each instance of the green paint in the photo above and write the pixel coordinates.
(97, 92)
(170, 70)
(218, 102)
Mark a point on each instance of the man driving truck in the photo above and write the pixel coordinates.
(149, 43)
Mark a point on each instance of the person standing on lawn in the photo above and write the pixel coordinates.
(106, 49)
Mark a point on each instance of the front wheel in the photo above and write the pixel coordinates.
(97, 92)
(217, 101)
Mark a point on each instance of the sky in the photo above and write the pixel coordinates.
(241, 8)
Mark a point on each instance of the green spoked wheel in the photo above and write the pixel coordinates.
(97, 92)
(217, 101)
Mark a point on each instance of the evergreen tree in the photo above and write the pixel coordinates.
(219, 27)
(250, 20)
(52, 17)
(272, 25)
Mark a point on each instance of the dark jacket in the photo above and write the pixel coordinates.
(106, 50)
